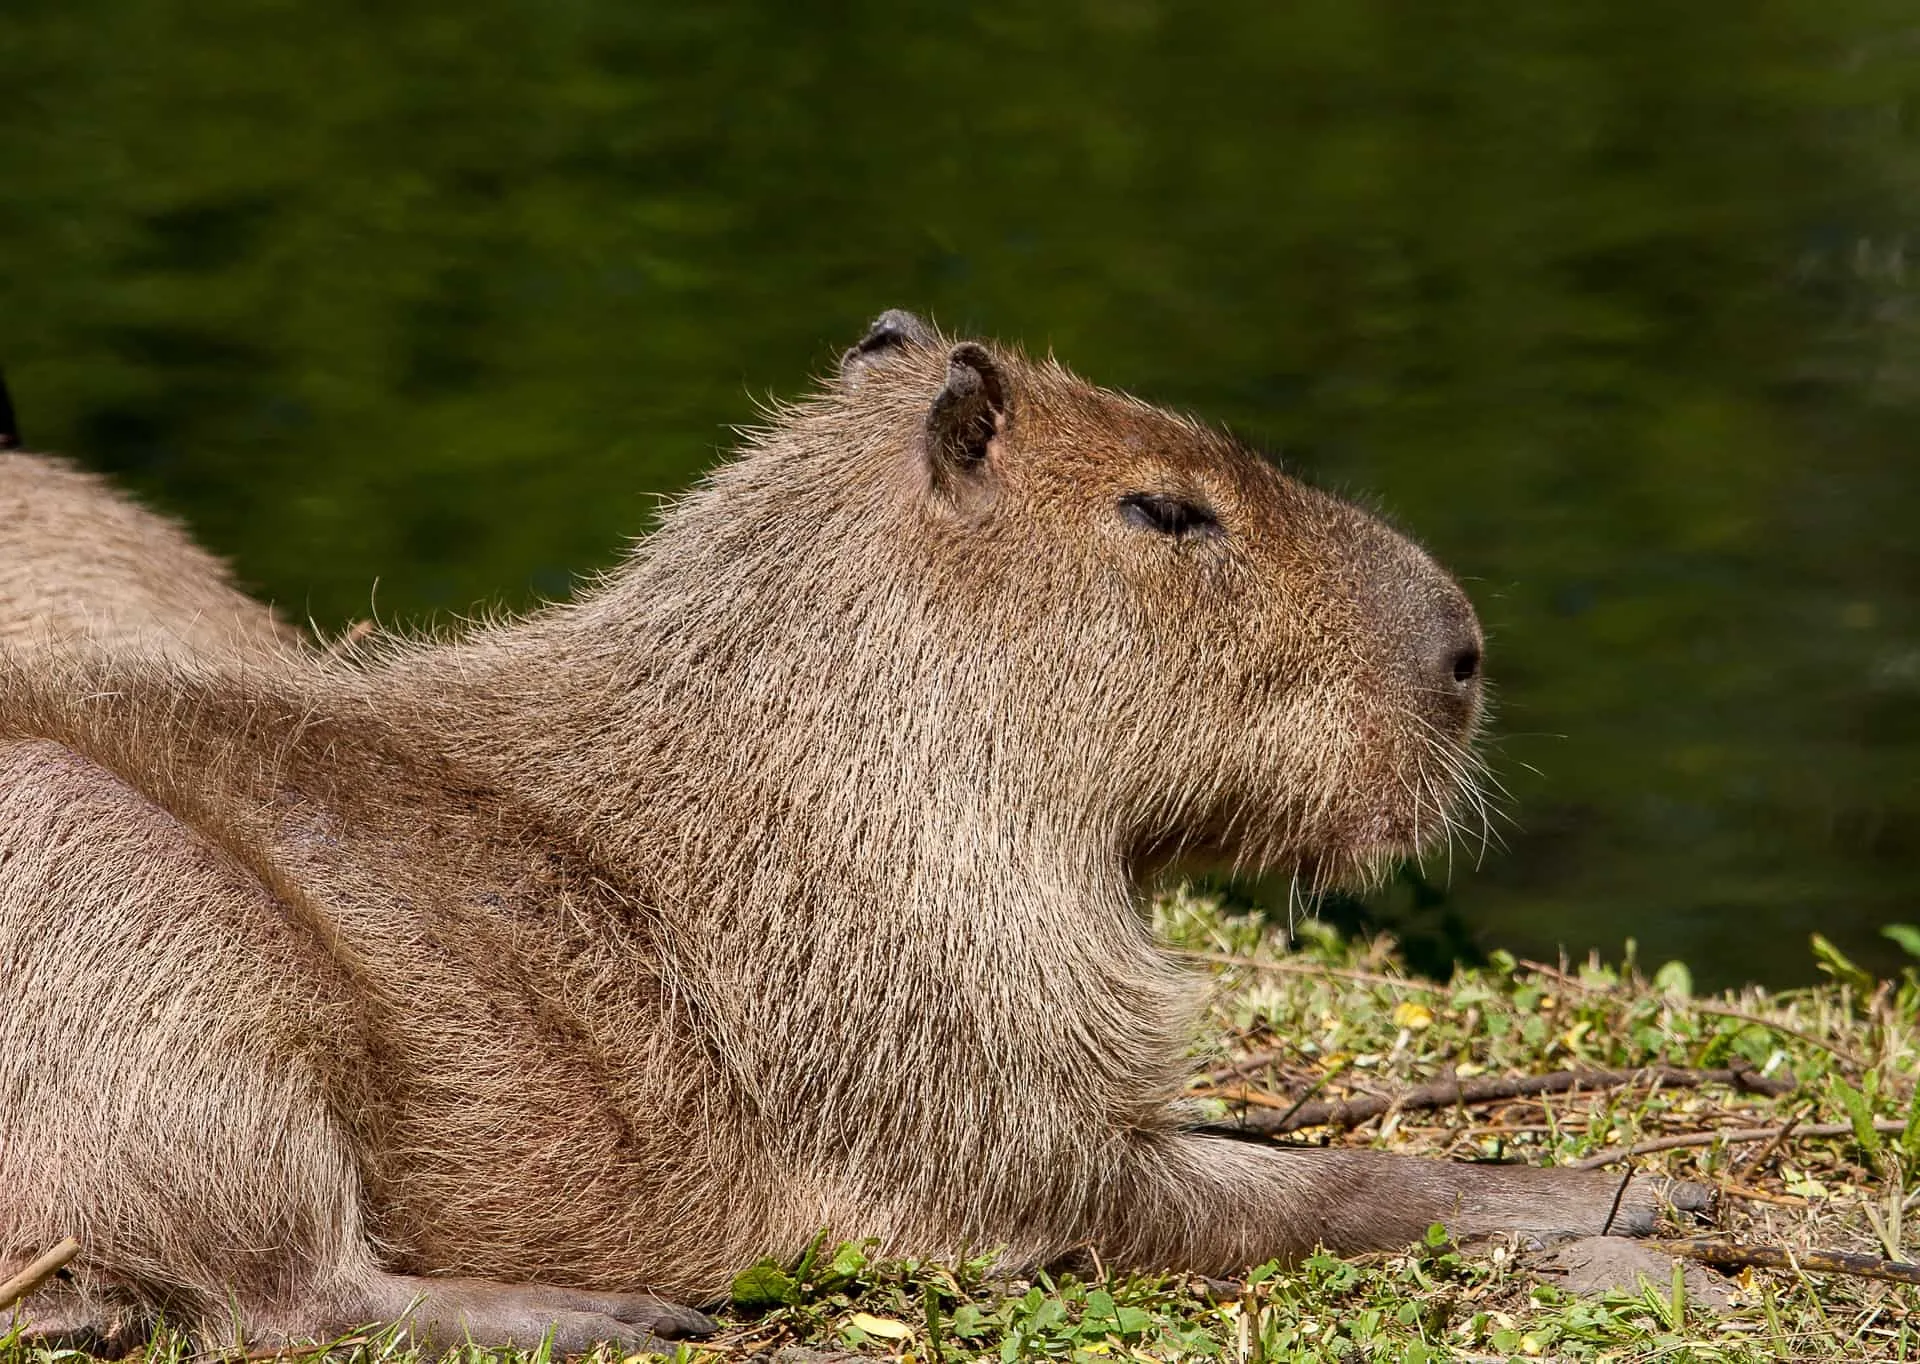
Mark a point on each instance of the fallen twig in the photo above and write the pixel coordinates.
(1734, 1189)
(1540, 968)
(1726, 1255)
(1479, 1090)
(1240, 1094)
(1726, 1135)
(1246, 1065)
(1754, 1162)
(37, 1273)
(1311, 968)
(1833, 1049)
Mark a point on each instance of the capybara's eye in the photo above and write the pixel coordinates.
(1168, 515)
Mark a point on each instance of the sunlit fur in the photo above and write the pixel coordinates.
(787, 881)
(79, 561)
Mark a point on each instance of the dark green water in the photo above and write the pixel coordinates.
(1607, 302)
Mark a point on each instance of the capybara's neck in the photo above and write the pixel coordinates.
(824, 801)
(763, 668)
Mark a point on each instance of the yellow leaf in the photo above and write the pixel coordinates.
(1411, 1015)
(1802, 1185)
(884, 1327)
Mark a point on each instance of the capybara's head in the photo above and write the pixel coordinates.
(1060, 603)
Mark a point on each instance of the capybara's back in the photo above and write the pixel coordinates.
(79, 561)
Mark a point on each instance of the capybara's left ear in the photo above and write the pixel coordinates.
(967, 414)
(9, 428)
(891, 332)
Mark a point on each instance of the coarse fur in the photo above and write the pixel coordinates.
(79, 561)
(788, 880)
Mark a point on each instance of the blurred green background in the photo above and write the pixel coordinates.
(1606, 302)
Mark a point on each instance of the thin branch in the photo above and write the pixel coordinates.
(1753, 1163)
(1733, 1189)
(1310, 968)
(1479, 1090)
(1725, 1255)
(1540, 968)
(1240, 1094)
(1839, 1053)
(37, 1273)
(1728, 1136)
(1246, 1065)
(1833, 1049)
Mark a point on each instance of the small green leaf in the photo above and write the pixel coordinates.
(1050, 1315)
(1099, 1306)
(764, 1285)
(967, 1321)
(1674, 980)
(1906, 935)
(1859, 1108)
(848, 1260)
(1837, 964)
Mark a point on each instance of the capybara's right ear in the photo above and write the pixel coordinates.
(967, 414)
(9, 428)
(892, 331)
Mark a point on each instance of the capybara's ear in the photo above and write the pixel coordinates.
(892, 331)
(967, 413)
(9, 428)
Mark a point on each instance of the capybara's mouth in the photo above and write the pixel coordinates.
(1352, 863)
(1352, 869)
(1351, 856)
(1379, 845)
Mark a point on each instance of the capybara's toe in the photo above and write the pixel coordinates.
(1685, 1195)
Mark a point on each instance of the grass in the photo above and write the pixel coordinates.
(1342, 1019)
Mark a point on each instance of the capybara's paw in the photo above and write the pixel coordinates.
(443, 1312)
(663, 1318)
(572, 1334)
(1647, 1198)
(1543, 1207)
(1687, 1196)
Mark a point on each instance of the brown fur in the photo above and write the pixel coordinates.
(79, 561)
(788, 880)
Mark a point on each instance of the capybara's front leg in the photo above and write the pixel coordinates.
(1219, 1205)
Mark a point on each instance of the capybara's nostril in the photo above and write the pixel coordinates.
(1450, 658)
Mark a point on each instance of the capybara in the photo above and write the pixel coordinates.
(788, 880)
(79, 561)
